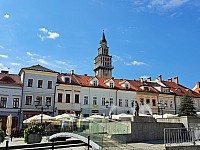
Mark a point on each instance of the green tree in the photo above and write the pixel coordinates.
(187, 106)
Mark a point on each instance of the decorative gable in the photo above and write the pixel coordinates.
(66, 79)
(110, 83)
(145, 88)
(7, 79)
(94, 81)
(125, 84)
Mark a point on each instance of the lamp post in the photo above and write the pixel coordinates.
(48, 103)
(161, 106)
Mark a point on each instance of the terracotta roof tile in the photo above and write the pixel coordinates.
(10, 79)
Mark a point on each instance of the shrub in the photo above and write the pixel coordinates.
(34, 129)
(2, 135)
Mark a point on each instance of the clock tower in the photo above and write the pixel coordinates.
(103, 62)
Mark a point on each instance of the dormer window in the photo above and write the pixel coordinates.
(146, 88)
(67, 80)
(126, 85)
(111, 85)
(165, 90)
(179, 90)
(95, 83)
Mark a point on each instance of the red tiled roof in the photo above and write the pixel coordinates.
(84, 80)
(10, 79)
(183, 90)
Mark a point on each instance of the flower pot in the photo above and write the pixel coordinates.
(34, 138)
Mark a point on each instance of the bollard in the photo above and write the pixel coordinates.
(88, 142)
(7, 145)
(52, 145)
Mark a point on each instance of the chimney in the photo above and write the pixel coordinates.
(198, 85)
(4, 71)
(169, 79)
(176, 79)
(160, 77)
(149, 79)
(72, 71)
(85, 74)
(141, 79)
(112, 78)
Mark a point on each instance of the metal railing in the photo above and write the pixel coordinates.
(98, 131)
(181, 136)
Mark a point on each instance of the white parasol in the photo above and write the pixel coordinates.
(9, 125)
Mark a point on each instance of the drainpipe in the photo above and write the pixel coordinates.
(116, 102)
(175, 109)
(54, 102)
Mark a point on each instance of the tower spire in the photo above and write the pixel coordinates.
(103, 37)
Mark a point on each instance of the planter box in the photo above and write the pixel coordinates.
(1, 140)
(34, 138)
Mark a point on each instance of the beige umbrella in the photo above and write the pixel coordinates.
(37, 118)
(9, 125)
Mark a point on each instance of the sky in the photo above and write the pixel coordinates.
(146, 38)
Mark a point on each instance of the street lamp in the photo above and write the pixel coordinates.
(48, 103)
(106, 103)
(161, 106)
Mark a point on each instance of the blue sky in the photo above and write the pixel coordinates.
(145, 37)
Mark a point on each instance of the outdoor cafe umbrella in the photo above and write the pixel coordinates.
(37, 118)
(9, 125)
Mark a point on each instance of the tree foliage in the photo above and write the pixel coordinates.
(187, 106)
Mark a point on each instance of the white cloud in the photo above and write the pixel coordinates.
(4, 56)
(42, 61)
(45, 34)
(52, 35)
(158, 5)
(43, 30)
(1, 65)
(2, 47)
(116, 58)
(6, 16)
(60, 62)
(135, 63)
(15, 64)
(30, 54)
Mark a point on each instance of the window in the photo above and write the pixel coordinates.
(67, 80)
(3, 102)
(48, 101)
(67, 98)
(111, 101)
(95, 100)
(120, 102)
(15, 102)
(76, 98)
(40, 83)
(95, 83)
(126, 86)
(146, 88)
(28, 100)
(132, 103)
(103, 101)
(111, 85)
(141, 101)
(147, 101)
(60, 97)
(126, 102)
(39, 99)
(85, 101)
(30, 82)
(171, 104)
(49, 86)
(153, 102)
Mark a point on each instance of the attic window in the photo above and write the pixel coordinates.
(126, 86)
(95, 83)
(67, 80)
(165, 90)
(111, 85)
(146, 88)
(179, 90)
